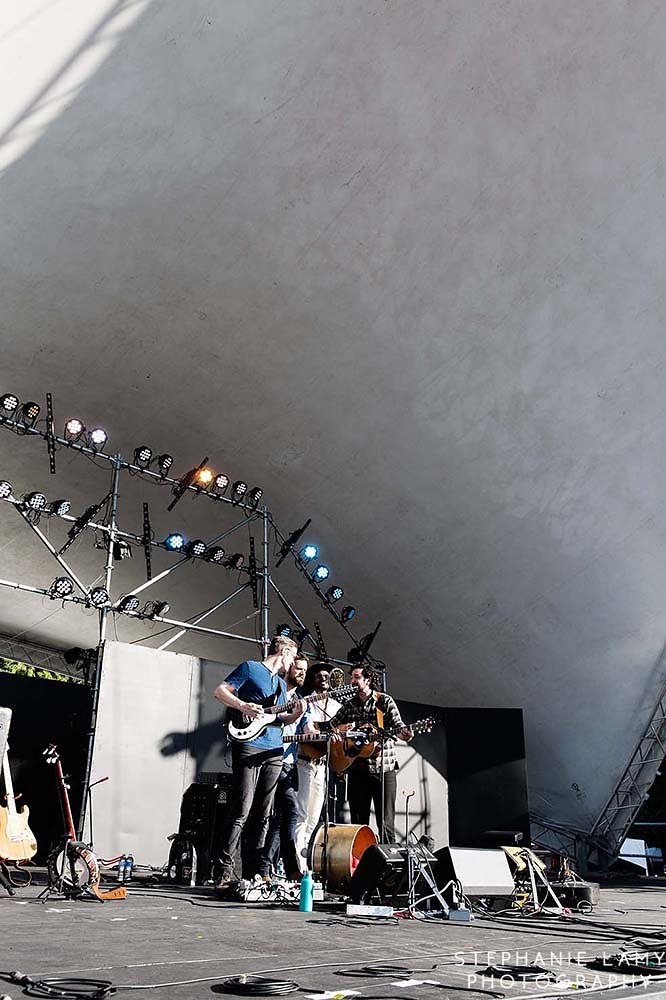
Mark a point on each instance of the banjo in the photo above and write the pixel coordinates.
(242, 728)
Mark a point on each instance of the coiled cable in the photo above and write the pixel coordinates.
(256, 986)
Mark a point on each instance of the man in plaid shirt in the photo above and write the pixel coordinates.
(365, 774)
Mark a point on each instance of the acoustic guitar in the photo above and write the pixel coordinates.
(360, 742)
(17, 841)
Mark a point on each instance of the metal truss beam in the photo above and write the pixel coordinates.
(37, 655)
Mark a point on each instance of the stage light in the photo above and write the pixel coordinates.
(9, 402)
(334, 593)
(122, 550)
(154, 609)
(59, 508)
(74, 429)
(301, 635)
(238, 490)
(6, 489)
(283, 630)
(347, 613)
(196, 548)
(205, 477)
(255, 495)
(221, 482)
(97, 438)
(28, 413)
(35, 501)
(321, 573)
(164, 463)
(99, 596)
(215, 554)
(62, 586)
(129, 603)
(308, 553)
(235, 561)
(142, 456)
(175, 541)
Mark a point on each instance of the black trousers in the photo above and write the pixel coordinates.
(363, 789)
(255, 777)
(282, 827)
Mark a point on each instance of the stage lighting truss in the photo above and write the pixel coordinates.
(9, 403)
(99, 597)
(97, 438)
(74, 430)
(142, 456)
(128, 604)
(28, 413)
(334, 593)
(196, 548)
(6, 489)
(61, 587)
(59, 508)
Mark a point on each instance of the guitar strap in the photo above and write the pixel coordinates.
(378, 712)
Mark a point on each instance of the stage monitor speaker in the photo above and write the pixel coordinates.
(482, 872)
(202, 814)
(382, 869)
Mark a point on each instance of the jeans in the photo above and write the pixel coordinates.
(255, 777)
(364, 788)
(281, 836)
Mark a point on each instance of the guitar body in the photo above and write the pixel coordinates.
(344, 753)
(17, 841)
(243, 729)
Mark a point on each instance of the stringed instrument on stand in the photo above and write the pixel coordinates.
(17, 841)
(73, 869)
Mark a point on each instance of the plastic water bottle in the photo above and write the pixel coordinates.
(305, 903)
(120, 877)
(129, 865)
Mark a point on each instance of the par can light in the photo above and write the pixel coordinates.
(308, 553)
(196, 548)
(129, 603)
(347, 613)
(35, 501)
(6, 489)
(334, 593)
(62, 586)
(9, 402)
(215, 554)
(221, 482)
(59, 508)
(74, 429)
(321, 573)
(99, 596)
(142, 456)
(175, 541)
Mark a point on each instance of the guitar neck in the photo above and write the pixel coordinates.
(9, 787)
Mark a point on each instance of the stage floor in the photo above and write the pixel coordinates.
(162, 935)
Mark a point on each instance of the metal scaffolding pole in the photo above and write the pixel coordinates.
(265, 603)
(103, 618)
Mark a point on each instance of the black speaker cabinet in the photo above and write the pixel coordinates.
(481, 872)
(383, 870)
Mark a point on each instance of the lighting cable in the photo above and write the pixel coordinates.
(256, 986)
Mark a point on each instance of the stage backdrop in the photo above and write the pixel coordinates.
(159, 729)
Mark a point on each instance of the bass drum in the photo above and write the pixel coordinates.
(346, 846)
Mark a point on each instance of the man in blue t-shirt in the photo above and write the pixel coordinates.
(255, 765)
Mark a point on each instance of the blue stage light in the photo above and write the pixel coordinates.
(347, 613)
(321, 573)
(175, 541)
(309, 552)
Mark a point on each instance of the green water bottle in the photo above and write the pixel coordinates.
(305, 903)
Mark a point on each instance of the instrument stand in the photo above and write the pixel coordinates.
(324, 845)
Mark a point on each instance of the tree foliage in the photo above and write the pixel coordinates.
(29, 670)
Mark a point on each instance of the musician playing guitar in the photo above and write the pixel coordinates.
(255, 764)
(370, 706)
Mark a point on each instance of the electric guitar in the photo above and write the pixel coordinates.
(357, 743)
(17, 841)
(242, 728)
